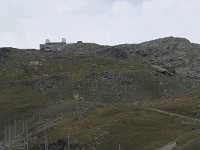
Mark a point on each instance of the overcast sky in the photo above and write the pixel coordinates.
(26, 23)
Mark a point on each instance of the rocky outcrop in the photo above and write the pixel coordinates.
(105, 86)
(163, 70)
(179, 54)
(44, 83)
(113, 53)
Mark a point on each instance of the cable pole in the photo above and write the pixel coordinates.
(9, 135)
(27, 138)
(119, 146)
(68, 144)
(15, 129)
(23, 127)
(46, 143)
(5, 133)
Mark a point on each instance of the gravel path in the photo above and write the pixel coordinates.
(169, 146)
(173, 114)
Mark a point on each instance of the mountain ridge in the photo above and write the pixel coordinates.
(177, 53)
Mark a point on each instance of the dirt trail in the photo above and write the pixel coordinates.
(49, 124)
(172, 144)
(172, 114)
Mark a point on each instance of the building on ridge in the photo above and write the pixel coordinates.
(53, 46)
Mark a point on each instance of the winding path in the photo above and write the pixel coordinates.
(172, 114)
(171, 145)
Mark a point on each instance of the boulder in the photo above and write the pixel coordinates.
(162, 70)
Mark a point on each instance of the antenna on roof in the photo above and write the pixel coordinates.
(47, 41)
(63, 40)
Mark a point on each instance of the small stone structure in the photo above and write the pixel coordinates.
(53, 46)
(79, 42)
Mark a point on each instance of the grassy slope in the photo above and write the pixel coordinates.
(131, 126)
(187, 104)
(125, 124)
(14, 75)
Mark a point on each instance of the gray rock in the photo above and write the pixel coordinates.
(162, 70)
(178, 54)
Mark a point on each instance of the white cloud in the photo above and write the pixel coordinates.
(26, 23)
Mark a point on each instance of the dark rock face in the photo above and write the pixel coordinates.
(141, 53)
(59, 145)
(103, 75)
(4, 53)
(113, 52)
(44, 83)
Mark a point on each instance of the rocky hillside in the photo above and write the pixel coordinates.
(178, 54)
(99, 94)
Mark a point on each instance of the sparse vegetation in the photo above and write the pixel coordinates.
(98, 95)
